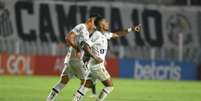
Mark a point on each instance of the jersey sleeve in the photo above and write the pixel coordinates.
(78, 29)
(108, 35)
(82, 33)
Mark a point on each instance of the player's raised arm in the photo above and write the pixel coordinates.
(126, 31)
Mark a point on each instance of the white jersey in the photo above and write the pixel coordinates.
(82, 34)
(108, 35)
(99, 44)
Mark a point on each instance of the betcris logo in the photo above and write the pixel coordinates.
(157, 70)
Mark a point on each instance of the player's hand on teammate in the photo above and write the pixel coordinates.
(137, 28)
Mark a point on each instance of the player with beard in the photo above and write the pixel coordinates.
(99, 46)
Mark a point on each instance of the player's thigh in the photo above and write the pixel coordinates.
(78, 69)
(101, 73)
(67, 72)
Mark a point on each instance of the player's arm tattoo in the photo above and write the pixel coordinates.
(120, 33)
(126, 31)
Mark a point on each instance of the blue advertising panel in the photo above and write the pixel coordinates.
(157, 69)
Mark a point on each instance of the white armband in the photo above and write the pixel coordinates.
(129, 29)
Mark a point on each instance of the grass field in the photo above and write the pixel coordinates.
(35, 88)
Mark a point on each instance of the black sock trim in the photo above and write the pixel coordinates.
(105, 91)
(55, 90)
(80, 92)
(94, 89)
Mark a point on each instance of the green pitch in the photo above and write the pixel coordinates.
(34, 88)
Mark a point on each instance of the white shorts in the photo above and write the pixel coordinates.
(99, 73)
(68, 55)
(75, 67)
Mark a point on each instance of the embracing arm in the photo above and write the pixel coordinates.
(88, 51)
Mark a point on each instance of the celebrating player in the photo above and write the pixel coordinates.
(73, 64)
(99, 44)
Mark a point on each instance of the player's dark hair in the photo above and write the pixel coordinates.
(97, 21)
(94, 15)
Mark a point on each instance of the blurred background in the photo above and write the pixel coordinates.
(168, 47)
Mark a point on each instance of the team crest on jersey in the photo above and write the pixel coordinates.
(94, 38)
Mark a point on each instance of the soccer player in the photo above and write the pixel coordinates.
(73, 64)
(99, 44)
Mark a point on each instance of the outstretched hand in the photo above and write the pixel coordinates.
(137, 28)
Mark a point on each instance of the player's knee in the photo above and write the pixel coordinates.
(108, 83)
(89, 84)
(64, 79)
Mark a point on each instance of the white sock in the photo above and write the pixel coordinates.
(58, 87)
(80, 93)
(104, 93)
(54, 92)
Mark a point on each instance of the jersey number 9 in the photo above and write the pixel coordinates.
(102, 51)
